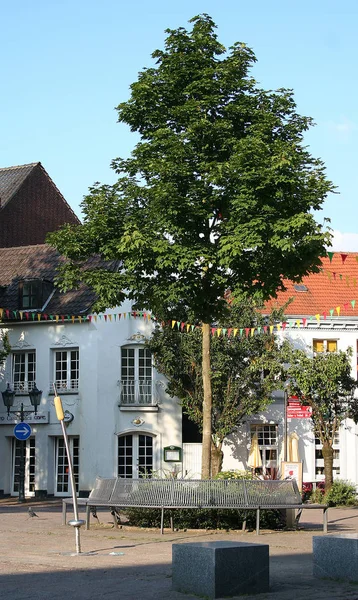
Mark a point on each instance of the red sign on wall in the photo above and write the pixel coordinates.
(295, 410)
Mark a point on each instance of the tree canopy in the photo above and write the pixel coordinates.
(324, 382)
(217, 194)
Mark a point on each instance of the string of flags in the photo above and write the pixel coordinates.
(27, 315)
(24, 315)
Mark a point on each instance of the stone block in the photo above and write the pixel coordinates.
(217, 569)
(336, 556)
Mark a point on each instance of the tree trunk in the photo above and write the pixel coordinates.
(207, 405)
(217, 456)
(327, 452)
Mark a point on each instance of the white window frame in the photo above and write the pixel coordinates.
(74, 445)
(135, 455)
(259, 429)
(26, 383)
(30, 466)
(136, 380)
(68, 383)
(319, 462)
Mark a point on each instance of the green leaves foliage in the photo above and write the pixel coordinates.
(324, 382)
(244, 370)
(5, 347)
(217, 193)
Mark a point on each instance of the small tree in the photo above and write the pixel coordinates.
(244, 371)
(5, 347)
(324, 383)
(218, 194)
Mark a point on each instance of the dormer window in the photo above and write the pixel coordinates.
(34, 293)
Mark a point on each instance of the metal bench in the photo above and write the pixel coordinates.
(170, 494)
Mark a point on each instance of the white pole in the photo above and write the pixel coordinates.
(76, 522)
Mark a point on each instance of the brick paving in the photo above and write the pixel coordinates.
(133, 563)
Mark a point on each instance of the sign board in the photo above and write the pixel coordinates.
(11, 419)
(172, 454)
(292, 470)
(22, 431)
(295, 410)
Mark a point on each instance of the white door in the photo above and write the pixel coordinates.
(63, 483)
(135, 455)
(29, 463)
(192, 461)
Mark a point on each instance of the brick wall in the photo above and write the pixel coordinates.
(36, 209)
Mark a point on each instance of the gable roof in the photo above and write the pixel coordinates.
(11, 179)
(42, 262)
(335, 286)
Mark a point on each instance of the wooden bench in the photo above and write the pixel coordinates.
(240, 494)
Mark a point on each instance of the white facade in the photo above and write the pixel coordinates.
(123, 421)
(344, 332)
(117, 426)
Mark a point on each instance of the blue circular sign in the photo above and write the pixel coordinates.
(22, 431)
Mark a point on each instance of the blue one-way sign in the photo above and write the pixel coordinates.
(22, 431)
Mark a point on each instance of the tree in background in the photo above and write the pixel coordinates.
(217, 194)
(324, 382)
(244, 372)
(5, 347)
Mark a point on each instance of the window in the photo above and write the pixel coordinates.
(66, 370)
(300, 287)
(136, 376)
(135, 455)
(320, 346)
(34, 293)
(268, 445)
(63, 485)
(319, 461)
(23, 371)
(29, 462)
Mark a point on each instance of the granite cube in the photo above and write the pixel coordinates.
(217, 569)
(336, 556)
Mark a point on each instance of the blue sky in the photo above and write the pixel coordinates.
(66, 65)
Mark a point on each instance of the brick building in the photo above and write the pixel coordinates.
(30, 206)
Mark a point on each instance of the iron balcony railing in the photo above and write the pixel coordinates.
(65, 385)
(20, 387)
(136, 392)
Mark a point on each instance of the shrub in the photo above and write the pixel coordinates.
(317, 496)
(211, 518)
(342, 493)
(234, 475)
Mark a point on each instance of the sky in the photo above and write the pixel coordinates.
(66, 65)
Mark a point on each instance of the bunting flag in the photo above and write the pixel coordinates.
(330, 256)
(343, 257)
(179, 325)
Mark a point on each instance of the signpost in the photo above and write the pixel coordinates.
(22, 431)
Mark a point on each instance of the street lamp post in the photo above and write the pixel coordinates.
(35, 399)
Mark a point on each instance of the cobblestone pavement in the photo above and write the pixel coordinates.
(37, 561)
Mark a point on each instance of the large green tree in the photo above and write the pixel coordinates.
(244, 371)
(218, 192)
(324, 383)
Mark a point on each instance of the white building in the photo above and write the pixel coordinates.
(120, 420)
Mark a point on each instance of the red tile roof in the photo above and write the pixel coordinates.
(335, 286)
